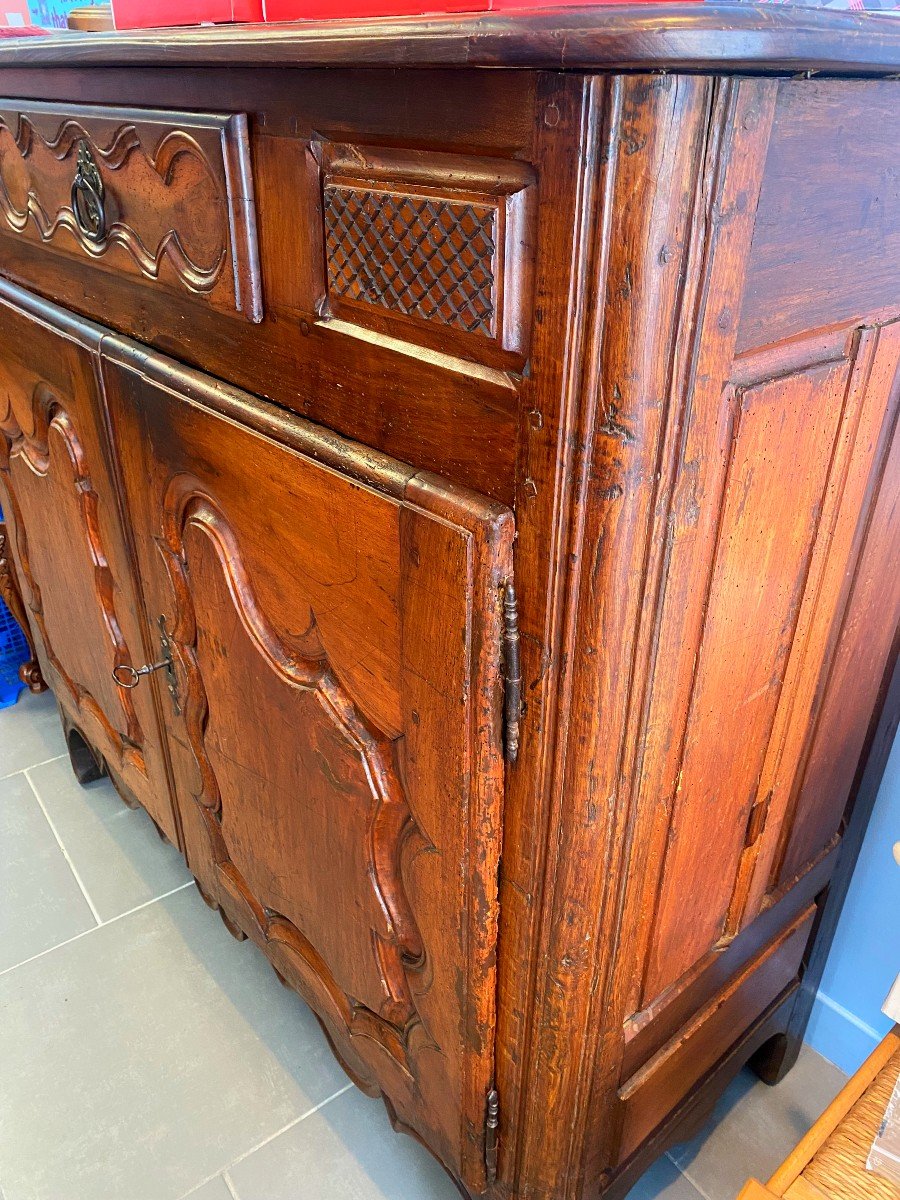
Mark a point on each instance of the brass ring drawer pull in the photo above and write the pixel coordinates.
(88, 201)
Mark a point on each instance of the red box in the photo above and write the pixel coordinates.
(325, 10)
(15, 14)
(150, 14)
(142, 14)
(311, 10)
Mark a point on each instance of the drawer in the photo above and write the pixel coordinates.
(663, 1082)
(163, 198)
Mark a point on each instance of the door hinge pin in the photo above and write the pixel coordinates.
(512, 675)
(491, 1126)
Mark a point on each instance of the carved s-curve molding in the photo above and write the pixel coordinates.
(379, 801)
(178, 193)
(69, 470)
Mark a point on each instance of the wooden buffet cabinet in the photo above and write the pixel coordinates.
(486, 431)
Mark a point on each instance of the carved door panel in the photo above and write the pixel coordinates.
(761, 586)
(61, 507)
(335, 621)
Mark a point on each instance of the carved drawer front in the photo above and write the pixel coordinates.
(165, 197)
(335, 621)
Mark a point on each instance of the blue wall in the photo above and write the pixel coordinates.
(847, 1021)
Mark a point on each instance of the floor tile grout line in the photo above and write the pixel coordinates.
(85, 932)
(65, 852)
(32, 767)
(271, 1138)
(686, 1175)
(229, 1185)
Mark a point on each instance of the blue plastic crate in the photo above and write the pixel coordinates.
(13, 652)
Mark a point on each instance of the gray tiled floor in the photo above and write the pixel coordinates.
(146, 1055)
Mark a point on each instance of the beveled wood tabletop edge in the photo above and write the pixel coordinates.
(665, 37)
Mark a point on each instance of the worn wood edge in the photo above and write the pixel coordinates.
(683, 37)
(403, 482)
(696, 1109)
(60, 320)
(852, 1091)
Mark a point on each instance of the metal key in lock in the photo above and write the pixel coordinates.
(129, 677)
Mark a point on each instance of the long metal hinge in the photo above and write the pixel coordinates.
(491, 1127)
(512, 675)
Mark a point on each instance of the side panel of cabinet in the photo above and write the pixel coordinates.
(715, 604)
(61, 507)
(335, 620)
(773, 486)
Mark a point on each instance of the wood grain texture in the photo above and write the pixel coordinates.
(177, 194)
(366, 609)
(446, 404)
(62, 509)
(638, 37)
(829, 174)
(592, 323)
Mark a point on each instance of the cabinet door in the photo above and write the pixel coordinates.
(61, 507)
(335, 626)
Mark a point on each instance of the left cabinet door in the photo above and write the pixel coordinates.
(58, 492)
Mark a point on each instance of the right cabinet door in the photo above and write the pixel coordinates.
(334, 621)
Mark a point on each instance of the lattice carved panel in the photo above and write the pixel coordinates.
(431, 247)
(417, 255)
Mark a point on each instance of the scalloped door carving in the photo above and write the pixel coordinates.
(338, 759)
(61, 508)
(178, 194)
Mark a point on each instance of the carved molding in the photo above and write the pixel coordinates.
(396, 945)
(421, 242)
(49, 414)
(31, 196)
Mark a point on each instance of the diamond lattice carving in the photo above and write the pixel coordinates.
(415, 255)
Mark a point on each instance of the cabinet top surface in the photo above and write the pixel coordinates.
(677, 37)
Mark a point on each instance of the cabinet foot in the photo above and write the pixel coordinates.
(161, 834)
(774, 1059)
(205, 896)
(86, 764)
(235, 930)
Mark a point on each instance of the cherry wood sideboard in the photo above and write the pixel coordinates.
(451, 477)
